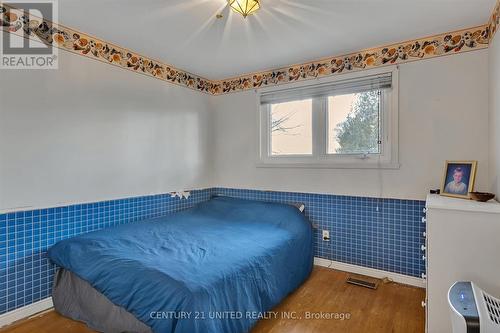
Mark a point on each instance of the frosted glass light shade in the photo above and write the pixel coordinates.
(244, 7)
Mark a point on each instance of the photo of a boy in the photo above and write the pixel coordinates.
(457, 186)
(459, 178)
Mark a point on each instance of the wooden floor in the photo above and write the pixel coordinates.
(390, 308)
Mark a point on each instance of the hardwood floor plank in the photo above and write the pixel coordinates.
(390, 308)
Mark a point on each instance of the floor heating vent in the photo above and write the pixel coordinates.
(363, 281)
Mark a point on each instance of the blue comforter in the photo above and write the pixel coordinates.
(214, 268)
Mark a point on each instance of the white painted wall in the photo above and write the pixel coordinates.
(494, 94)
(443, 114)
(90, 131)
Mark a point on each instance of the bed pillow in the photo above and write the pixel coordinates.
(300, 206)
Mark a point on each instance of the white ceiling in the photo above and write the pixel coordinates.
(186, 34)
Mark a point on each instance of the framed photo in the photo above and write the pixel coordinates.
(459, 177)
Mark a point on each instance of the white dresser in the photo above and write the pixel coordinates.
(463, 243)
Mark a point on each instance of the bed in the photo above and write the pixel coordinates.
(212, 268)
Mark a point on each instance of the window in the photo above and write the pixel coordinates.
(354, 123)
(349, 122)
(291, 128)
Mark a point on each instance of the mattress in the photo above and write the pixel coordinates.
(212, 268)
(76, 299)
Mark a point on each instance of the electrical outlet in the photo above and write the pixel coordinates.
(326, 235)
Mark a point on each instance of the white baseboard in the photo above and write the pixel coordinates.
(376, 273)
(25, 312)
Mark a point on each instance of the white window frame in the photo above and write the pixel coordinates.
(388, 158)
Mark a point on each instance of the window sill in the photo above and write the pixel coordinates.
(304, 165)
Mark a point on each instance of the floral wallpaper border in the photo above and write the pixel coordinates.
(14, 21)
(494, 20)
(430, 47)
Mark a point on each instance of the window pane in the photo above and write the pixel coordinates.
(291, 128)
(353, 123)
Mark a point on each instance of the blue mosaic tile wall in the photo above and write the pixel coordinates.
(384, 234)
(26, 274)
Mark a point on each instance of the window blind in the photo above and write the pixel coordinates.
(373, 82)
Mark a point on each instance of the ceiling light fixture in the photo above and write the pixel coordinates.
(244, 7)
